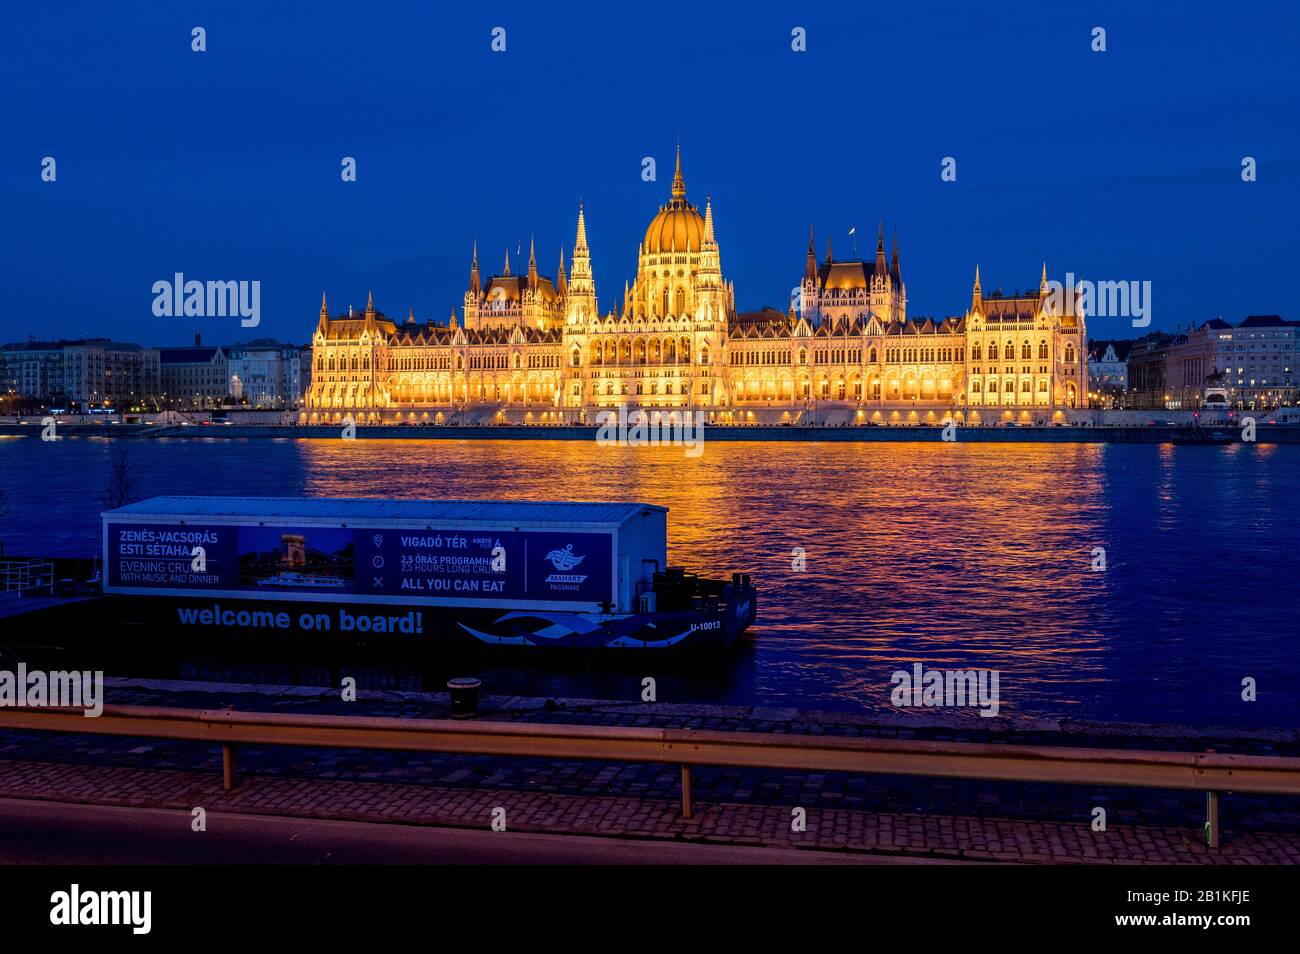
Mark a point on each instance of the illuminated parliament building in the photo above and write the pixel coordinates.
(530, 348)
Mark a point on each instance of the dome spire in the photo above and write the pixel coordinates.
(679, 184)
(708, 220)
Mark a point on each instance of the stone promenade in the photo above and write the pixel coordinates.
(938, 819)
(952, 838)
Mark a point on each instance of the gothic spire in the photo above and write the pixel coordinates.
(581, 244)
(679, 184)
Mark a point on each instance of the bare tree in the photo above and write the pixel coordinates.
(120, 486)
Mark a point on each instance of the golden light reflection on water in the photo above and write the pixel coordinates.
(957, 556)
(973, 556)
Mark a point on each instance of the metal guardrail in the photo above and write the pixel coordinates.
(1207, 772)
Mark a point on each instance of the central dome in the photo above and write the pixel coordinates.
(678, 227)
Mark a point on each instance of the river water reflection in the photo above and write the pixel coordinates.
(956, 556)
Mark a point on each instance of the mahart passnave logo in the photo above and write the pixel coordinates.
(565, 560)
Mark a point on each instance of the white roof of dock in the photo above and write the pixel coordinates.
(609, 513)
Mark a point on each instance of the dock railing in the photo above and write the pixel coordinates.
(1207, 772)
(23, 575)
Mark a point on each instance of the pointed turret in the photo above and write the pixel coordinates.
(532, 262)
(882, 269)
(452, 323)
(475, 283)
(679, 184)
(977, 296)
(561, 282)
(810, 267)
(410, 316)
(708, 221)
(581, 244)
(370, 305)
(507, 271)
(828, 250)
(895, 270)
(1042, 283)
(324, 323)
(579, 287)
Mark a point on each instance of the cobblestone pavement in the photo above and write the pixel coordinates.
(958, 838)
(761, 798)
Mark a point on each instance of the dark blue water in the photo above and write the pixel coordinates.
(956, 556)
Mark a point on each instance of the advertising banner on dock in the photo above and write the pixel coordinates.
(366, 565)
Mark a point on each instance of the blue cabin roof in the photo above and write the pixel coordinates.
(612, 513)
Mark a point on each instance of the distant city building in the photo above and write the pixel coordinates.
(265, 373)
(1259, 358)
(1108, 366)
(197, 377)
(845, 350)
(84, 373)
(1255, 361)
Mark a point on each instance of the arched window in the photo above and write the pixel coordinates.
(976, 352)
(1025, 352)
(871, 356)
(1042, 350)
(577, 357)
(704, 354)
(1069, 353)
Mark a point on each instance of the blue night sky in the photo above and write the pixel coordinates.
(225, 164)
